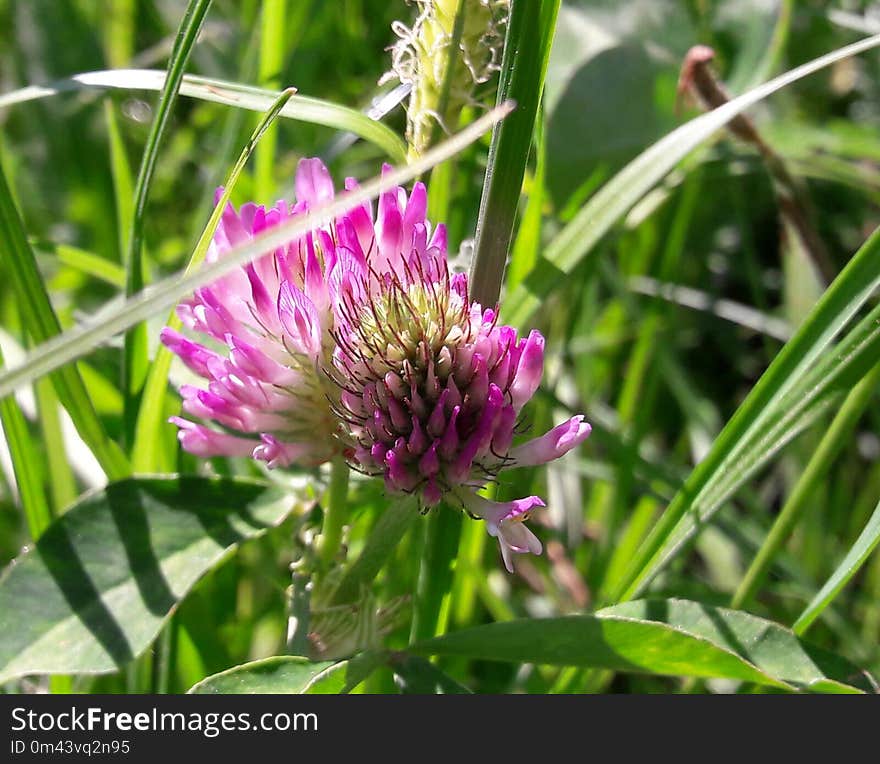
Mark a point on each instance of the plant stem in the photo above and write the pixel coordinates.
(164, 658)
(527, 43)
(298, 623)
(431, 610)
(272, 54)
(330, 540)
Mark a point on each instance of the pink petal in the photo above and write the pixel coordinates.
(313, 182)
(278, 454)
(361, 220)
(195, 356)
(300, 319)
(528, 371)
(202, 441)
(560, 440)
(480, 439)
(504, 522)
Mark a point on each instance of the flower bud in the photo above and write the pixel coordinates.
(426, 52)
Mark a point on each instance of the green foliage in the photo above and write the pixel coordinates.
(136, 339)
(855, 558)
(41, 323)
(526, 53)
(291, 675)
(283, 674)
(673, 637)
(100, 582)
(731, 389)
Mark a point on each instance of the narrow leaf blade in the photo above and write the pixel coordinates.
(867, 541)
(667, 637)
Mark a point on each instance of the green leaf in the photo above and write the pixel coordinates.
(772, 648)
(855, 558)
(418, 676)
(281, 674)
(626, 188)
(301, 108)
(290, 675)
(103, 578)
(344, 676)
(667, 637)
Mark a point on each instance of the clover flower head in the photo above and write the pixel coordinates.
(269, 334)
(433, 387)
(356, 339)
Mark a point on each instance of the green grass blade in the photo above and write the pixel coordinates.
(642, 363)
(123, 186)
(608, 205)
(163, 295)
(431, 609)
(62, 484)
(835, 438)
(302, 108)
(393, 523)
(119, 31)
(849, 291)
(272, 51)
(26, 462)
(867, 541)
(819, 390)
(528, 237)
(530, 30)
(42, 325)
(136, 360)
(85, 262)
(467, 572)
(527, 46)
(151, 414)
(758, 71)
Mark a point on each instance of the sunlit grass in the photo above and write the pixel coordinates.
(730, 379)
